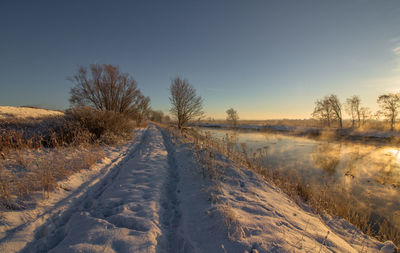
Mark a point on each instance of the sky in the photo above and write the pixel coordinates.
(266, 59)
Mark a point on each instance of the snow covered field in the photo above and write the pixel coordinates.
(150, 196)
(26, 112)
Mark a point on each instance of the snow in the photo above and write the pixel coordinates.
(152, 197)
(122, 215)
(26, 112)
(17, 228)
(388, 247)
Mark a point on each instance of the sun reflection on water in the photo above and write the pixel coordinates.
(394, 152)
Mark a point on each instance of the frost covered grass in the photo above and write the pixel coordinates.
(78, 126)
(320, 197)
(231, 221)
(29, 175)
(38, 152)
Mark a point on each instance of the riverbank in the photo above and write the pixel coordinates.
(357, 181)
(348, 134)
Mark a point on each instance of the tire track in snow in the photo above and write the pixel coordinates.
(108, 181)
(52, 232)
(172, 239)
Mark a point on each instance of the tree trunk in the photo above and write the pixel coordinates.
(392, 124)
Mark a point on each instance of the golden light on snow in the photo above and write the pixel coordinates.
(26, 112)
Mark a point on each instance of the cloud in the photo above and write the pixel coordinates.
(396, 50)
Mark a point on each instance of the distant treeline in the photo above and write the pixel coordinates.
(329, 110)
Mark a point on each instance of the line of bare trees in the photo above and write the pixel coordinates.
(158, 116)
(105, 88)
(329, 110)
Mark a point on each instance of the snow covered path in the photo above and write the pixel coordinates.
(120, 213)
(154, 199)
(121, 216)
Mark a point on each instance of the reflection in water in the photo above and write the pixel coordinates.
(389, 164)
(232, 136)
(395, 153)
(327, 157)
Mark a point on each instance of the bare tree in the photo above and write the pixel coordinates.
(336, 108)
(353, 109)
(323, 111)
(186, 105)
(157, 116)
(232, 117)
(104, 87)
(390, 104)
(141, 109)
(365, 113)
(167, 119)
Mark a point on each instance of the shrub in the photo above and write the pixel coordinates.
(106, 126)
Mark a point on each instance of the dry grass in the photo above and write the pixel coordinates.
(24, 173)
(231, 222)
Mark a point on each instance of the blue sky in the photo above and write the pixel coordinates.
(267, 59)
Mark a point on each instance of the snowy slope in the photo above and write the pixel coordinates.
(153, 198)
(242, 212)
(26, 112)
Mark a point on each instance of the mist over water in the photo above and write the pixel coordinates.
(370, 174)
